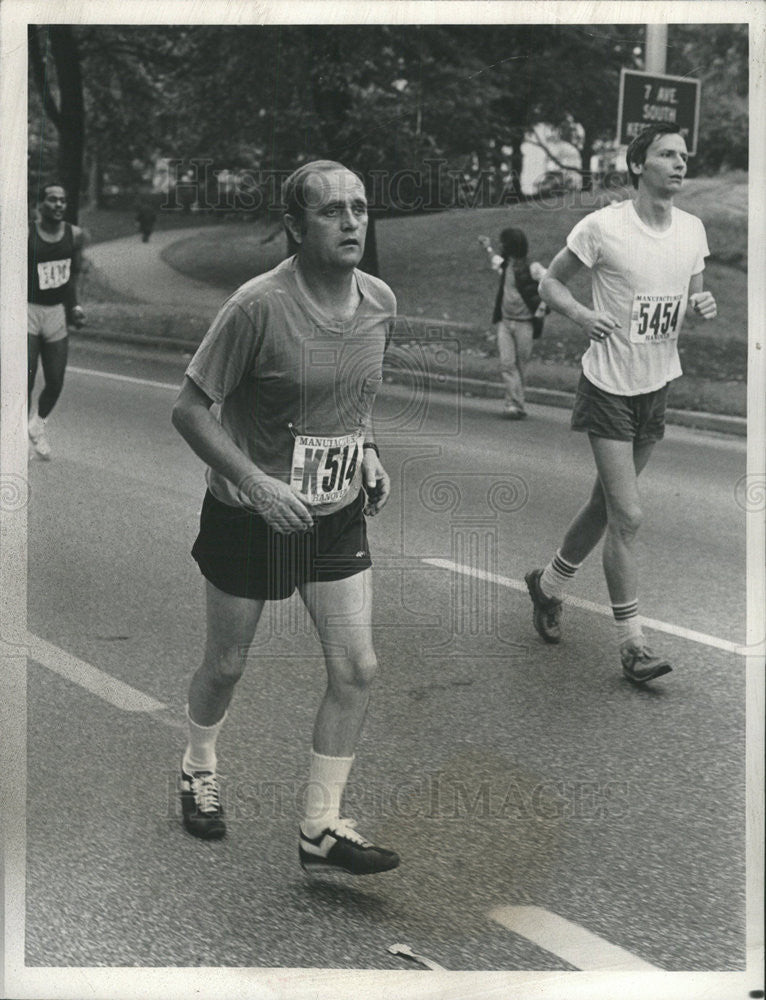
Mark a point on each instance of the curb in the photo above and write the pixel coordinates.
(718, 422)
(697, 419)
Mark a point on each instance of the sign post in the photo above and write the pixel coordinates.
(648, 98)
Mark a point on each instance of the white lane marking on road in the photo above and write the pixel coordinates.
(175, 386)
(96, 681)
(577, 946)
(600, 609)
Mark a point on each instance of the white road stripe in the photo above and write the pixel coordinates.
(587, 952)
(96, 681)
(175, 386)
(600, 609)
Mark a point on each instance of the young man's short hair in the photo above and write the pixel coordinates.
(513, 243)
(46, 187)
(637, 149)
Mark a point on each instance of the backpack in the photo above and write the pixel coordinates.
(527, 288)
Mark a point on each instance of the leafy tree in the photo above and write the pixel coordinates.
(716, 54)
(391, 102)
(62, 98)
(105, 88)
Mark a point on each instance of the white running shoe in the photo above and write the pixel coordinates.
(36, 430)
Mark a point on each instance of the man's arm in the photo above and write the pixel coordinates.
(495, 259)
(376, 481)
(554, 291)
(702, 302)
(74, 311)
(279, 505)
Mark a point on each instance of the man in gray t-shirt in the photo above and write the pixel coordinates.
(277, 402)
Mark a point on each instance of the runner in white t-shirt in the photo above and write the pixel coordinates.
(646, 259)
(293, 361)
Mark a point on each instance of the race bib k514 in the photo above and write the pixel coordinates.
(323, 467)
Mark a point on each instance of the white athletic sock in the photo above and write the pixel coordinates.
(36, 424)
(556, 575)
(327, 780)
(628, 623)
(200, 751)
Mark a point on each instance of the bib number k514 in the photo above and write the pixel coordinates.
(655, 318)
(323, 467)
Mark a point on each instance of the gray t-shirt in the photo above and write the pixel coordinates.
(279, 368)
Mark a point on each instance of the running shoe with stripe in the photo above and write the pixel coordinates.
(201, 805)
(546, 613)
(639, 664)
(339, 847)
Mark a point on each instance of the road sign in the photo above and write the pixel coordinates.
(647, 99)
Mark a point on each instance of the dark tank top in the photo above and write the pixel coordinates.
(49, 267)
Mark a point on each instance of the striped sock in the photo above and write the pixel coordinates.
(627, 621)
(556, 575)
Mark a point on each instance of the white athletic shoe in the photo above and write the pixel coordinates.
(36, 430)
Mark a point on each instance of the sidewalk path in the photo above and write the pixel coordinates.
(137, 269)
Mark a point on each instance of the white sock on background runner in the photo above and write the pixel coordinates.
(327, 780)
(200, 752)
(36, 424)
(556, 575)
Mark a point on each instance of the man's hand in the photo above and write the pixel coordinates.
(599, 326)
(704, 305)
(76, 317)
(282, 508)
(376, 482)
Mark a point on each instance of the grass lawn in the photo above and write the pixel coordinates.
(440, 273)
(102, 224)
(438, 270)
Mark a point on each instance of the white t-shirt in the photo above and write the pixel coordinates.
(641, 279)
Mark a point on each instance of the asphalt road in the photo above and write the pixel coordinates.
(505, 772)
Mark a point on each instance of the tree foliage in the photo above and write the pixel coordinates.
(381, 98)
(718, 56)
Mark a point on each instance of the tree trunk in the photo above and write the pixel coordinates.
(587, 153)
(99, 172)
(517, 160)
(369, 261)
(72, 115)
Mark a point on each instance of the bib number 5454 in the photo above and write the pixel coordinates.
(654, 318)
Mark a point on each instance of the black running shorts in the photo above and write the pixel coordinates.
(241, 555)
(640, 419)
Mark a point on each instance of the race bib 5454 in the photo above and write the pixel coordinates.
(323, 467)
(655, 318)
(53, 273)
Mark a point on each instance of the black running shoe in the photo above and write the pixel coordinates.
(201, 805)
(546, 615)
(639, 664)
(340, 848)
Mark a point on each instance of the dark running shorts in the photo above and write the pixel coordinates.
(640, 419)
(240, 554)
